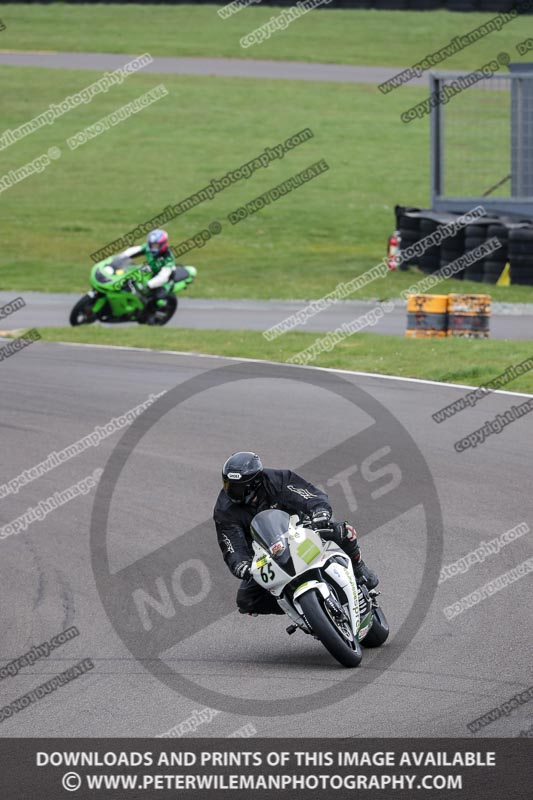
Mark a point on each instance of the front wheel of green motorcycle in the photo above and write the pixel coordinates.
(163, 314)
(81, 314)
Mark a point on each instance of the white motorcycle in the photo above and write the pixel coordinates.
(314, 583)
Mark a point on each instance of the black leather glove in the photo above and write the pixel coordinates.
(348, 532)
(346, 537)
(243, 570)
(320, 518)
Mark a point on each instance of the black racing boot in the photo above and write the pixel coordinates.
(350, 545)
(363, 574)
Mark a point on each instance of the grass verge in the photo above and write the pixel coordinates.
(468, 361)
(396, 38)
(329, 230)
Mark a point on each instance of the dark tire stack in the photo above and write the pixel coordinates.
(451, 248)
(424, 5)
(494, 263)
(461, 5)
(521, 255)
(409, 229)
(430, 261)
(514, 233)
(497, 5)
(475, 235)
(391, 5)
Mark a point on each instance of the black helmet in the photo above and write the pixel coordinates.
(241, 475)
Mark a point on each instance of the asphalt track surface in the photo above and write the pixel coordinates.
(221, 67)
(448, 674)
(46, 310)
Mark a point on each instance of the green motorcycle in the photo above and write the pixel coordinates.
(118, 294)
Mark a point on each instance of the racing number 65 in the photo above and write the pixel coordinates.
(267, 573)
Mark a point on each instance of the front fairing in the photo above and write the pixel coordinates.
(111, 274)
(115, 296)
(286, 552)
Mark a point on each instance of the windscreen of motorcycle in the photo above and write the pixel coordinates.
(104, 274)
(270, 529)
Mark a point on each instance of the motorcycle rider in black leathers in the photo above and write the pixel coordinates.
(249, 488)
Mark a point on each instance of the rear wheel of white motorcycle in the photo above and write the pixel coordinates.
(337, 639)
(379, 630)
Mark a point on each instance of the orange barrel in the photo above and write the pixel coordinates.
(469, 315)
(413, 333)
(427, 316)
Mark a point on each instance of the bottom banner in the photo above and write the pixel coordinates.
(465, 769)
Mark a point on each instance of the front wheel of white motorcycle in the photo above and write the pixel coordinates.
(337, 637)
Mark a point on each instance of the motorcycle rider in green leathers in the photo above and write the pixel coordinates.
(159, 258)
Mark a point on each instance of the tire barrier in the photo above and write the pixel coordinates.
(452, 248)
(435, 316)
(378, 5)
(469, 315)
(429, 262)
(427, 316)
(514, 234)
(408, 227)
(520, 246)
(475, 235)
(493, 265)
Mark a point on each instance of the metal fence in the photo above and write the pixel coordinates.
(482, 141)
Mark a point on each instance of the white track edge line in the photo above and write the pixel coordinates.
(296, 366)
